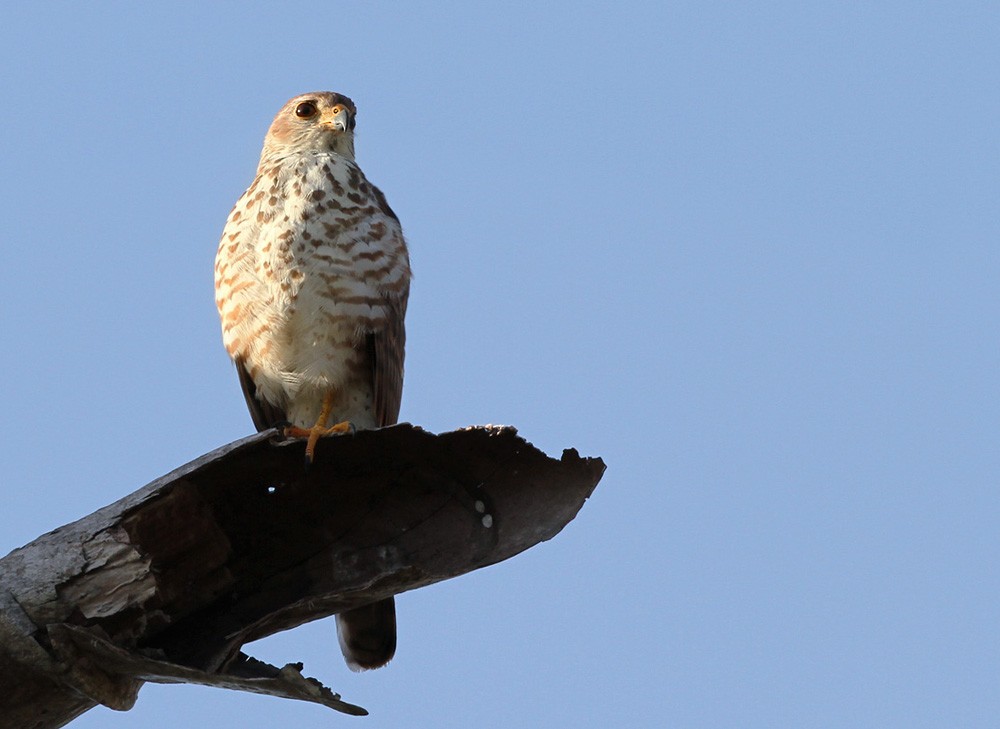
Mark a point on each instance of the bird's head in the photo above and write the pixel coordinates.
(322, 121)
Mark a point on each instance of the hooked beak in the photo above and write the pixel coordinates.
(337, 119)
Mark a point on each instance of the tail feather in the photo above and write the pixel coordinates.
(367, 634)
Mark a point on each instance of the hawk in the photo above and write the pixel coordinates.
(311, 281)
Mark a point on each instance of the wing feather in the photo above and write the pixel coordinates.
(386, 355)
(264, 414)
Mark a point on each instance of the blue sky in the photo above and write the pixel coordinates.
(746, 252)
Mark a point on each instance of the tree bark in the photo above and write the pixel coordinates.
(168, 583)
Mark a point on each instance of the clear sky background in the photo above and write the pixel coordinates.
(745, 252)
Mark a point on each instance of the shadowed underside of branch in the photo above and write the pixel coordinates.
(168, 583)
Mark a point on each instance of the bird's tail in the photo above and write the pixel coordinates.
(368, 634)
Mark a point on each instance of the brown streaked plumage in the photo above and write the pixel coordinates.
(312, 278)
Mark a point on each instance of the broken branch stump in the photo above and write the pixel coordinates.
(168, 583)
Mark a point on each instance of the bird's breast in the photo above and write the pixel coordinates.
(327, 256)
(337, 254)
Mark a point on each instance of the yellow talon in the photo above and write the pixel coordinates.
(318, 430)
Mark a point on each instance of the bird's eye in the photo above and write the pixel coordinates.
(305, 110)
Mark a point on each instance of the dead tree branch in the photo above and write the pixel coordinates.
(168, 583)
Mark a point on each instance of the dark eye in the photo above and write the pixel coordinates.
(305, 110)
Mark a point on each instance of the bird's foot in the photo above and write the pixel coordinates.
(313, 434)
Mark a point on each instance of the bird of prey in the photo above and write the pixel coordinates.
(312, 277)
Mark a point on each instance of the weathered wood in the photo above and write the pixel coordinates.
(168, 583)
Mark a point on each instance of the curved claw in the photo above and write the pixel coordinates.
(317, 431)
(320, 429)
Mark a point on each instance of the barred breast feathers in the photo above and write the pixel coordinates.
(326, 267)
